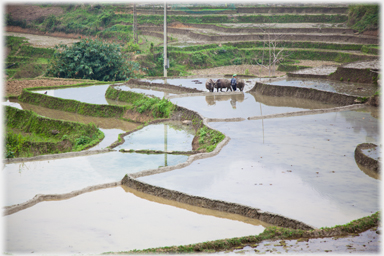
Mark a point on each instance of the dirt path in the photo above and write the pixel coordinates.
(15, 87)
(254, 69)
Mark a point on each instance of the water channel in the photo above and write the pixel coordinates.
(301, 167)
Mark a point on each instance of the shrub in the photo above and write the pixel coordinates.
(91, 59)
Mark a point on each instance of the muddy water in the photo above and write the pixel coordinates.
(167, 136)
(355, 89)
(229, 105)
(24, 180)
(300, 167)
(93, 223)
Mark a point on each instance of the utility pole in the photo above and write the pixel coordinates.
(135, 39)
(165, 40)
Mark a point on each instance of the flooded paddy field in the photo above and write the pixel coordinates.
(167, 136)
(300, 167)
(115, 219)
(25, 180)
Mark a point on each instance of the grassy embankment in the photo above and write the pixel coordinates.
(28, 134)
(270, 233)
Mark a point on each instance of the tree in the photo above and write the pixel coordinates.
(275, 54)
(91, 59)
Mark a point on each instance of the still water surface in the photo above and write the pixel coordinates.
(114, 220)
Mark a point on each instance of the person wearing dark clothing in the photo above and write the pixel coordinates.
(234, 82)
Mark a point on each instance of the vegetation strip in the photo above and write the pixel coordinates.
(40, 198)
(29, 134)
(270, 233)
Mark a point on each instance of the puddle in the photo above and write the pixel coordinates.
(246, 105)
(93, 223)
(304, 168)
(355, 89)
(167, 136)
(24, 180)
(365, 242)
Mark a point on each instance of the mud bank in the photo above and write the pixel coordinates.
(357, 72)
(365, 160)
(304, 93)
(173, 88)
(218, 205)
(40, 198)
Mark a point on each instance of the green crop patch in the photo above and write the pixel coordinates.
(29, 134)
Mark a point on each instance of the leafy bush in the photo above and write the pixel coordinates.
(91, 59)
(198, 58)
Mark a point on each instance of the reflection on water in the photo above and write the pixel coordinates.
(23, 181)
(355, 89)
(113, 220)
(167, 136)
(232, 98)
(246, 105)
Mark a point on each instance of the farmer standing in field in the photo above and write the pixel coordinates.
(234, 82)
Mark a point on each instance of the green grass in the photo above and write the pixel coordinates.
(208, 138)
(29, 134)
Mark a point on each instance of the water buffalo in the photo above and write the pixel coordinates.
(240, 84)
(210, 85)
(223, 83)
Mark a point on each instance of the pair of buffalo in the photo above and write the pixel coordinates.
(210, 84)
